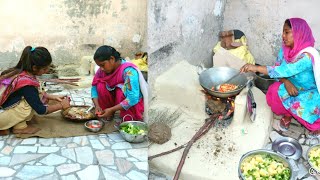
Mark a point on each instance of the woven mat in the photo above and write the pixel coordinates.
(54, 126)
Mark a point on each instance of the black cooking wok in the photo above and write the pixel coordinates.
(218, 75)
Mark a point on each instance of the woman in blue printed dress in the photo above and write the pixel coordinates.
(296, 94)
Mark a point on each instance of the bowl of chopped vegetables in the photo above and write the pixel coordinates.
(313, 154)
(94, 125)
(134, 131)
(264, 164)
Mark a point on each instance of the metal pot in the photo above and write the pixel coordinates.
(312, 166)
(263, 81)
(278, 157)
(217, 75)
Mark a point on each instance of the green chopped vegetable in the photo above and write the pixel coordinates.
(314, 157)
(132, 129)
(264, 167)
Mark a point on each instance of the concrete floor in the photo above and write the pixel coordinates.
(101, 156)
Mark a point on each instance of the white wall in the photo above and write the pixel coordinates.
(71, 29)
(188, 30)
(182, 30)
(262, 22)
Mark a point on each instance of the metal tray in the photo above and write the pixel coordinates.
(288, 147)
(75, 119)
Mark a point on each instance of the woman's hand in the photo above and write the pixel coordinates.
(248, 68)
(106, 113)
(65, 103)
(98, 110)
(56, 97)
(291, 89)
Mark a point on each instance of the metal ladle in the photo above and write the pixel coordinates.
(89, 109)
(218, 86)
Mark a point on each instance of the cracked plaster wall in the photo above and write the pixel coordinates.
(187, 30)
(262, 22)
(182, 30)
(71, 29)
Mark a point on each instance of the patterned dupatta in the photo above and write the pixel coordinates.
(14, 83)
(101, 80)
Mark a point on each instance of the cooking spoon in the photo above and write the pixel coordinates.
(89, 109)
(218, 86)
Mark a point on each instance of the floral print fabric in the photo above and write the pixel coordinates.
(300, 72)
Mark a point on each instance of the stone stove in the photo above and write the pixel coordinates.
(224, 107)
(220, 147)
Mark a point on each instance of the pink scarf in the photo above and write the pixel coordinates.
(302, 36)
(101, 79)
(111, 79)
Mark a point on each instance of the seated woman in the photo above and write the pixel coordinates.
(19, 98)
(117, 85)
(235, 42)
(297, 67)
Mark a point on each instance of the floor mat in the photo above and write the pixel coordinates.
(54, 125)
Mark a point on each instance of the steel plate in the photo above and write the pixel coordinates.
(288, 147)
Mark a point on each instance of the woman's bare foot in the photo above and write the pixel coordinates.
(4, 132)
(32, 121)
(28, 130)
(285, 121)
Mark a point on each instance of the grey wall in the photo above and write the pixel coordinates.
(182, 30)
(262, 22)
(71, 29)
(187, 30)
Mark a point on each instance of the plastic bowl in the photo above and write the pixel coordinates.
(134, 138)
(94, 125)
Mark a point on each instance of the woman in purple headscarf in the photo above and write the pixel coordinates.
(296, 94)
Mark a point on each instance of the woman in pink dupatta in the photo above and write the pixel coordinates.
(297, 69)
(115, 86)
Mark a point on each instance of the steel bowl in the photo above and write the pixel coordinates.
(312, 166)
(215, 76)
(94, 125)
(276, 156)
(288, 147)
(134, 138)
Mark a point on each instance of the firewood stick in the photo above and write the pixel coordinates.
(204, 128)
(179, 147)
(61, 82)
(74, 79)
(167, 152)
